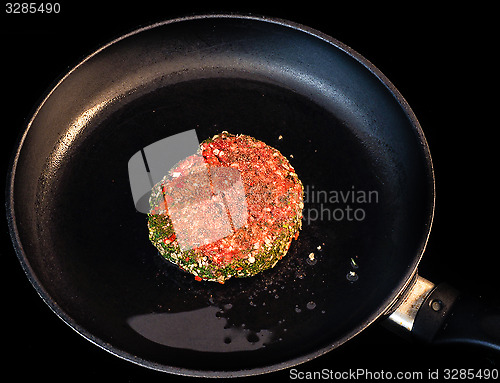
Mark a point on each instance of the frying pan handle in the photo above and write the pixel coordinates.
(448, 317)
(442, 315)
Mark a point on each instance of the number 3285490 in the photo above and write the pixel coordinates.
(20, 8)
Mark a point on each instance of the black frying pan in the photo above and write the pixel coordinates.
(85, 248)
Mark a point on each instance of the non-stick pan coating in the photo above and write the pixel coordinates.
(340, 123)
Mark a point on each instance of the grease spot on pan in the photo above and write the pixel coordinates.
(201, 330)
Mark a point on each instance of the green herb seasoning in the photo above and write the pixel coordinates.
(230, 210)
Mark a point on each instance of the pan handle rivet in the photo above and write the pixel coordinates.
(436, 305)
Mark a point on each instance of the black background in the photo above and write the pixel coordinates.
(441, 60)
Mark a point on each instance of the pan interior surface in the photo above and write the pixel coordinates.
(358, 153)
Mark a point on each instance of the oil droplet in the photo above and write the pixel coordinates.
(354, 265)
(311, 259)
(227, 340)
(297, 309)
(352, 276)
(311, 305)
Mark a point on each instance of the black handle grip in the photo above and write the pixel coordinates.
(447, 317)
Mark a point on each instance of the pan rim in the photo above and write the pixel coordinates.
(389, 302)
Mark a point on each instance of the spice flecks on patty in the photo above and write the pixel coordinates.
(231, 209)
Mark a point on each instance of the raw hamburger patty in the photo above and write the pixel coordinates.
(231, 209)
